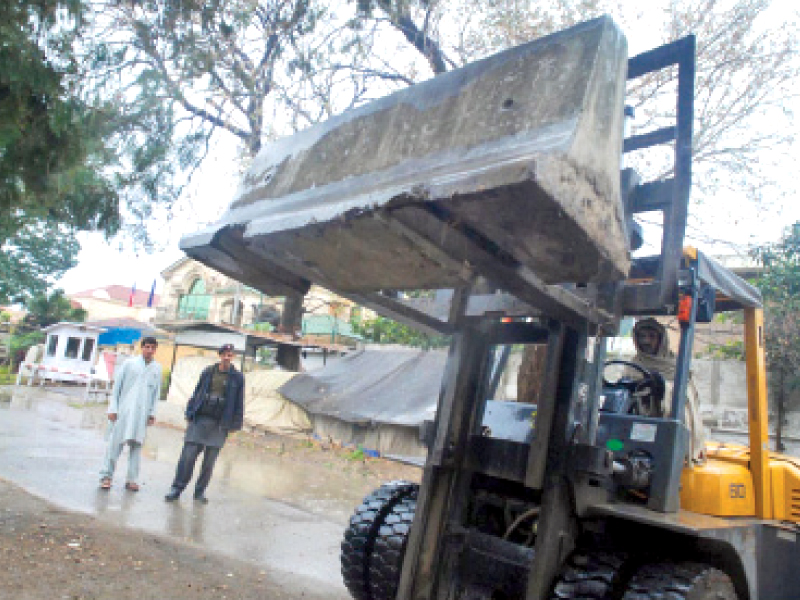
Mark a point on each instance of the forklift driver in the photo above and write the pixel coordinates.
(653, 353)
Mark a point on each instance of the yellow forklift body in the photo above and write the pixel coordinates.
(718, 488)
(723, 486)
(785, 475)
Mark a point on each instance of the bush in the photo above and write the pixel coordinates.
(732, 350)
(165, 379)
(20, 342)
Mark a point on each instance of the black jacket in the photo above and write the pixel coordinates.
(233, 412)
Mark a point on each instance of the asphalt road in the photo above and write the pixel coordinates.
(283, 508)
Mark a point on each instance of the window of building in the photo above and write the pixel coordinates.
(73, 345)
(88, 347)
(195, 304)
(52, 345)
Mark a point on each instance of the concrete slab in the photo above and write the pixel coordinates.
(519, 152)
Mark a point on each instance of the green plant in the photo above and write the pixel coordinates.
(48, 309)
(20, 342)
(386, 331)
(6, 377)
(165, 379)
(732, 350)
(5, 316)
(357, 454)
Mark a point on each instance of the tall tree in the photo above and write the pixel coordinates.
(745, 82)
(780, 285)
(49, 309)
(51, 178)
(34, 255)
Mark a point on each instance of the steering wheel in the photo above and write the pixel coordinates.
(647, 392)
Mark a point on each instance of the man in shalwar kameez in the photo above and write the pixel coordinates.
(131, 409)
(653, 353)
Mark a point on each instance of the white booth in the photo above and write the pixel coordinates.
(70, 352)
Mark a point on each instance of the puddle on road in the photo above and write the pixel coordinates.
(322, 483)
(67, 406)
(5, 396)
(311, 480)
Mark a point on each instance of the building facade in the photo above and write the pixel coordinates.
(195, 292)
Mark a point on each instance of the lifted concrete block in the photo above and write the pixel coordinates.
(518, 153)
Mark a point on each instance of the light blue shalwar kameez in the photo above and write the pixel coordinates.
(133, 398)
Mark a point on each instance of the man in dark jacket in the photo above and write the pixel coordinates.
(215, 408)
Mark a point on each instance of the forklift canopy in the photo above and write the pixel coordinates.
(733, 292)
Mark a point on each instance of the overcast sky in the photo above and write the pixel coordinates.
(119, 262)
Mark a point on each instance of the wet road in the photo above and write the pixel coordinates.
(262, 509)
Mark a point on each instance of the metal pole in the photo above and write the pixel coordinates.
(172, 365)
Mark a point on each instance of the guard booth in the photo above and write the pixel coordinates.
(70, 352)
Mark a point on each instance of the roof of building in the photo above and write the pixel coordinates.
(118, 293)
(123, 323)
(251, 338)
(82, 326)
(175, 265)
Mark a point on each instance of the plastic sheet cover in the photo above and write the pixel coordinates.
(397, 386)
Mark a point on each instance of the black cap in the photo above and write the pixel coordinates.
(226, 348)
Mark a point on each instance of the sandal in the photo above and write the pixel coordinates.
(105, 483)
(132, 487)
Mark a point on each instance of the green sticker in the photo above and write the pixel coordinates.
(615, 445)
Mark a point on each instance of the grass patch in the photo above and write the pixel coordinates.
(357, 454)
(80, 404)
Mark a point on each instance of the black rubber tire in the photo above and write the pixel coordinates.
(390, 549)
(359, 537)
(591, 575)
(680, 581)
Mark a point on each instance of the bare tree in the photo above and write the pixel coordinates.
(745, 81)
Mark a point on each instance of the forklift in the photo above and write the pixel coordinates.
(500, 186)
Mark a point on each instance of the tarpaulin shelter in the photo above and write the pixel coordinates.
(377, 398)
(265, 408)
(124, 331)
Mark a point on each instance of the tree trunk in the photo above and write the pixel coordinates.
(288, 357)
(531, 374)
(779, 447)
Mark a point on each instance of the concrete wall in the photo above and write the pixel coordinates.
(722, 385)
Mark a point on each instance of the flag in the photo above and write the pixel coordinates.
(152, 295)
(133, 293)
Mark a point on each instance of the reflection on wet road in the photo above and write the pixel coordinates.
(264, 509)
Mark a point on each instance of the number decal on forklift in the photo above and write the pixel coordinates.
(737, 490)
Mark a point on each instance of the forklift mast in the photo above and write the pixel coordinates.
(499, 188)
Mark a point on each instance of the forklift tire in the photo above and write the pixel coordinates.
(359, 537)
(390, 548)
(591, 575)
(680, 581)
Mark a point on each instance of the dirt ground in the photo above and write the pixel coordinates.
(49, 553)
